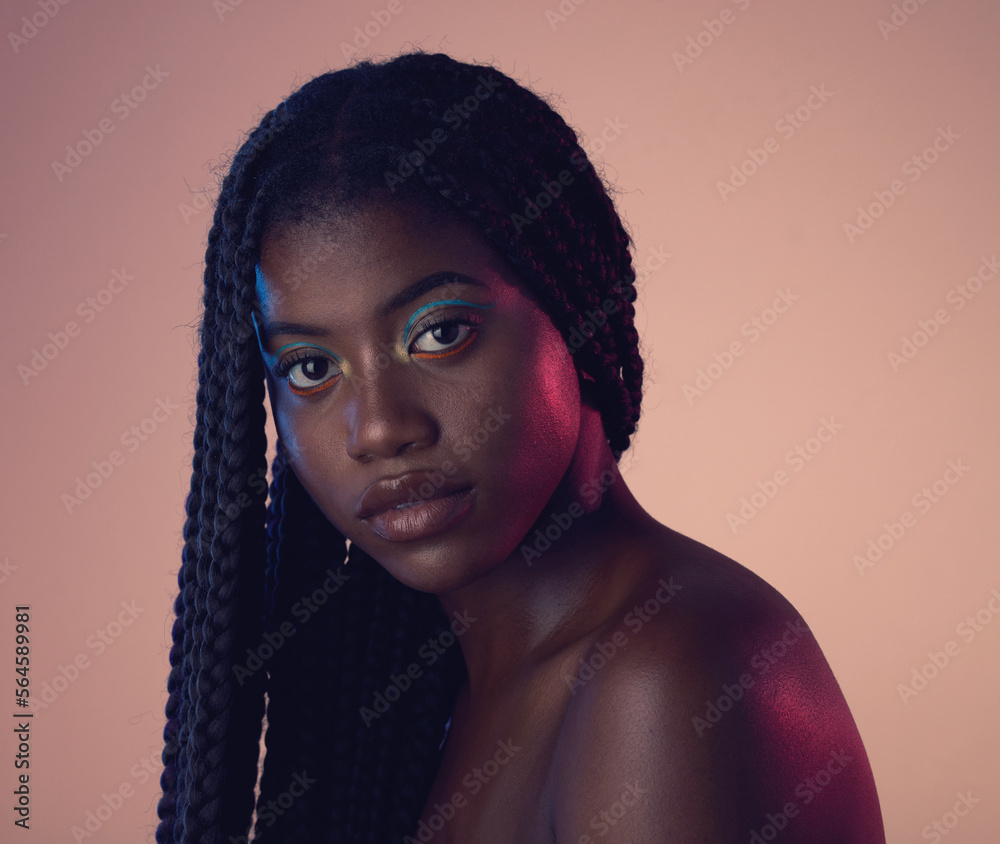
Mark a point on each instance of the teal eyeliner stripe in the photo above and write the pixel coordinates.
(273, 358)
(269, 357)
(419, 311)
(310, 345)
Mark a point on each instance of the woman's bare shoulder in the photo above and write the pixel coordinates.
(705, 710)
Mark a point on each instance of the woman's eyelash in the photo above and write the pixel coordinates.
(472, 320)
(467, 323)
(284, 366)
(459, 311)
(432, 322)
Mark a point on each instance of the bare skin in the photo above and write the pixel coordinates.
(625, 682)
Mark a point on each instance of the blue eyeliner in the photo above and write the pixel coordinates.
(419, 311)
(310, 345)
(272, 359)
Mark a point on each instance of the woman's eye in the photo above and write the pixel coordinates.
(444, 338)
(309, 374)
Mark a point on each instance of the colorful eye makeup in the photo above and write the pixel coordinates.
(309, 368)
(427, 307)
(306, 372)
(443, 335)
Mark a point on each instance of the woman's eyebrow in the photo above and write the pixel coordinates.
(425, 285)
(269, 330)
(266, 331)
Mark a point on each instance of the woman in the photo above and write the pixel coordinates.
(427, 271)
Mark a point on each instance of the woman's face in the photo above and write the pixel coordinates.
(407, 362)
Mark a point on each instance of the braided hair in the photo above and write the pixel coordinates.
(274, 610)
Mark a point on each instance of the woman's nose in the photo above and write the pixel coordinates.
(386, 414)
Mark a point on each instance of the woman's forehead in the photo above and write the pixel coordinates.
(364, 261)
(367, 233)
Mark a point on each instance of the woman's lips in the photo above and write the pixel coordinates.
(421, 519)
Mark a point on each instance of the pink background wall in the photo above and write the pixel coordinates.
(673, 131)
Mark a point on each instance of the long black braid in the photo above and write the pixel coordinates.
(266, 605)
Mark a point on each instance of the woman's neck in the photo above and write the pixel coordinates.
(588, 549)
